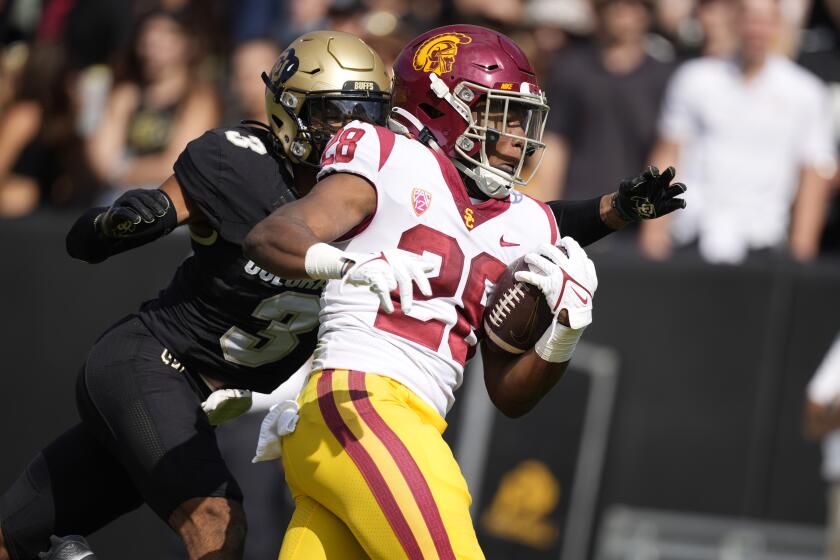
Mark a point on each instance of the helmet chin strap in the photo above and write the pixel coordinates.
(487, 182)
(395, 125)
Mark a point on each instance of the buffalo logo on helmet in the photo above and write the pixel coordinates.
(286, 65)
(437, 54)
(420, 200)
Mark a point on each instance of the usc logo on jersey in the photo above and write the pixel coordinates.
(469, 219)
(437, 54)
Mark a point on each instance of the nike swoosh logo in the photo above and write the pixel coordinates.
(504, 243)
(583, 300)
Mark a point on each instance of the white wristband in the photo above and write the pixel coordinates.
(325, 262)
(558, 342)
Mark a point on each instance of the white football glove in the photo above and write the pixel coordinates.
(567, 279)
(224, 405)
(390, 270)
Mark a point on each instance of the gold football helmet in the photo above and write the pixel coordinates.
(322, 81)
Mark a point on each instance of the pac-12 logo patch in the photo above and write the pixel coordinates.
(437, 54)
(420, 200)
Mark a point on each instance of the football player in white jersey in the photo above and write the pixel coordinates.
(411, 226)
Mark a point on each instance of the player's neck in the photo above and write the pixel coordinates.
(304, 177)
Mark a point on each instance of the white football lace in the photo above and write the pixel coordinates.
(505, 304)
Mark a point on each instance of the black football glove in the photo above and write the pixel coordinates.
(648, 196)
(134, 212)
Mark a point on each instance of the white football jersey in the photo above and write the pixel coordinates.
(422, 208)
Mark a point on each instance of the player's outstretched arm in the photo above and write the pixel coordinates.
(335, 205)
(647, 196)
(567, 279)
(137, 217)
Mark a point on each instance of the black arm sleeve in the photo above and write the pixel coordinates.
(580, 219)
(85, 242)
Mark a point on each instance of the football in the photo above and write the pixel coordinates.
(517, 314)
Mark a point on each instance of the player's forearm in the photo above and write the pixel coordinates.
(610, 217)
(581, 219)
(517, 383)
(809, 215)
(279, 244)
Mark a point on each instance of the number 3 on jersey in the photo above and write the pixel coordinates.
(289, 313)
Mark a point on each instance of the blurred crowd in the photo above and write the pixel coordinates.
(742, 96)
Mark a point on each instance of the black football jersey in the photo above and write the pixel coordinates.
(222, 315)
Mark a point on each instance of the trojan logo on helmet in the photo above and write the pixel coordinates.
(438, 53)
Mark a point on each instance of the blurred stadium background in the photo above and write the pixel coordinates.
(677, 434)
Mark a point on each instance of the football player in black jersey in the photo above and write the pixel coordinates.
(222, 326)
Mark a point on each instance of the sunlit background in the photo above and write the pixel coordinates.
(681, 431)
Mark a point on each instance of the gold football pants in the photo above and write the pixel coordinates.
(371, 475)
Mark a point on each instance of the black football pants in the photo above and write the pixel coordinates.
(143, 438)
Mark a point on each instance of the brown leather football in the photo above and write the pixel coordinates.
(517, 314)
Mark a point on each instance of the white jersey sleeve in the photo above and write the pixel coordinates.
(678, 118)
(358, 148)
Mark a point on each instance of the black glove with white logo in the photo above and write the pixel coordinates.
(138, 217)
(648, 196)
(135, 212)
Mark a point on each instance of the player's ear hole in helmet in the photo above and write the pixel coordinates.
(322, 81)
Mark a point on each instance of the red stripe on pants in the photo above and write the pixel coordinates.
(366, 465)
(405, 462)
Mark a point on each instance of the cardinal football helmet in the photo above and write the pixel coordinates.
(323, 80)
(467, 87)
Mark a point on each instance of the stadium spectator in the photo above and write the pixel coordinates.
(90, 31)
(255, 19)
(749, 134)
(248, 61)
(350, 16)
(819, 52)
(716, 19)
(604, 99)
(505, 14)
(697, 28)
(821, 421)
(550, 27)
(158, 104)
(303, 16)
(12, 60)
(42, 159)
